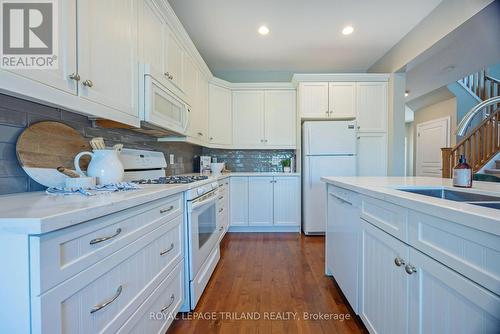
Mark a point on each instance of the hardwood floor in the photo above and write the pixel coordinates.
(264, 276)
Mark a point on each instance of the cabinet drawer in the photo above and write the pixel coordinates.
(60, 255)
(101, 298)
(391, 218)
(473, 253)
(158, 311)
(344, 194)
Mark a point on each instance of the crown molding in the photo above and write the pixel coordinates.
(252, 85)
(338, 77)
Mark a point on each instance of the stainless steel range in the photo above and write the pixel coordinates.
(202, 232)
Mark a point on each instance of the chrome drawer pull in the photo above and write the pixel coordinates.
(167, 210)
(221, 197)
(410, 269)
(98, 240)
(103, 305)
(221, 228)
(167, 250)
(172, 298)
(221, 209)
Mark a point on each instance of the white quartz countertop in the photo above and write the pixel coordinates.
(37, 212)
(386, 188)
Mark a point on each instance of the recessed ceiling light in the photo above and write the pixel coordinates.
(263, 30)
(347, 30)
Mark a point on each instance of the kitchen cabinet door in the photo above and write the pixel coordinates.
(371, 106)
(313, 99)
(151, 36)
(384, 285)
(60, 78)
(198, 116)
(238, 201)
(260, 201)
(248, 119)
(287, 201)
(442, 301)
(342, 99)
(372, 154)
(173, 63)
(107, 59)
(280, 121)
(190, 75)
(219, 115)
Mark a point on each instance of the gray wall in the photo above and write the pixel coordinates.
(17, 114)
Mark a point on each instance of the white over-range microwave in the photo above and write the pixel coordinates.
(160, 107)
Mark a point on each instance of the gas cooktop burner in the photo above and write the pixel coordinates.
(172, 180)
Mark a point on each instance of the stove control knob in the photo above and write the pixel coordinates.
(201, 191)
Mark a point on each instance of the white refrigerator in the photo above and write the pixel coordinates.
(328, 149)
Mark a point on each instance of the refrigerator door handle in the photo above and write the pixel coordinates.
(310, 173)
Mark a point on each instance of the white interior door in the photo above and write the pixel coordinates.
(431, 137)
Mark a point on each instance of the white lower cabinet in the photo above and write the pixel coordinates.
(406, 291)
(384, 285)
(239, 201)
(286, 194)
(261, 201)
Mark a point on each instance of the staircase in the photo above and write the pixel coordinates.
(482, 143)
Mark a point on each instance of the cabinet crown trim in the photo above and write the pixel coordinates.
(338, 77)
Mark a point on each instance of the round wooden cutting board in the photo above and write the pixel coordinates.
(44, 146)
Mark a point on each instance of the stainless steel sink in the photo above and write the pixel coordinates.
(453, 195)
(492, 205)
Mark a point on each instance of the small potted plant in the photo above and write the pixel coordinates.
(286, 165)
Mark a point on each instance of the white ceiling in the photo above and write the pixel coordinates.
(305, 34)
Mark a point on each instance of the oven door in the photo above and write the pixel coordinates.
(204, 234)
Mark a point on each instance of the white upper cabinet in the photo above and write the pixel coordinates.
(151, 36)
(107, 60)
(264, 119)
(219, 115)
(260, 201)
(248, 118)
(342, 99)
(371, 106)
(190, 75)
(198, 117)
(280, 117)
(173, 61)
(60, 78)
(314, 99)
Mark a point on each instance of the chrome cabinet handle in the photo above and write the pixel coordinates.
(74, 76)
(221, 228)
(98, 240)
(221, 197)
(221, 209)
(172, 298)
(106, 303)
(167, 250)
(200, 133)
(168, 75)
(399, 261)
(410, 269)
(167, 210)
(211, 138)
(88, 83)
(359, 127)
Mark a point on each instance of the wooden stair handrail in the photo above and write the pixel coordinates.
(479, 146)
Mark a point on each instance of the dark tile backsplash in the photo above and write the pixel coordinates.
(16, 114)
(250, 160)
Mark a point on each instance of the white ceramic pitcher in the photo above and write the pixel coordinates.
(105, 165)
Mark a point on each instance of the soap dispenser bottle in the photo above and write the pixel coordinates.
(462, 174)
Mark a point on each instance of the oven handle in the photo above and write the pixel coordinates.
(203, 200)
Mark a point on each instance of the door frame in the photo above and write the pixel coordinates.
(417, 135)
